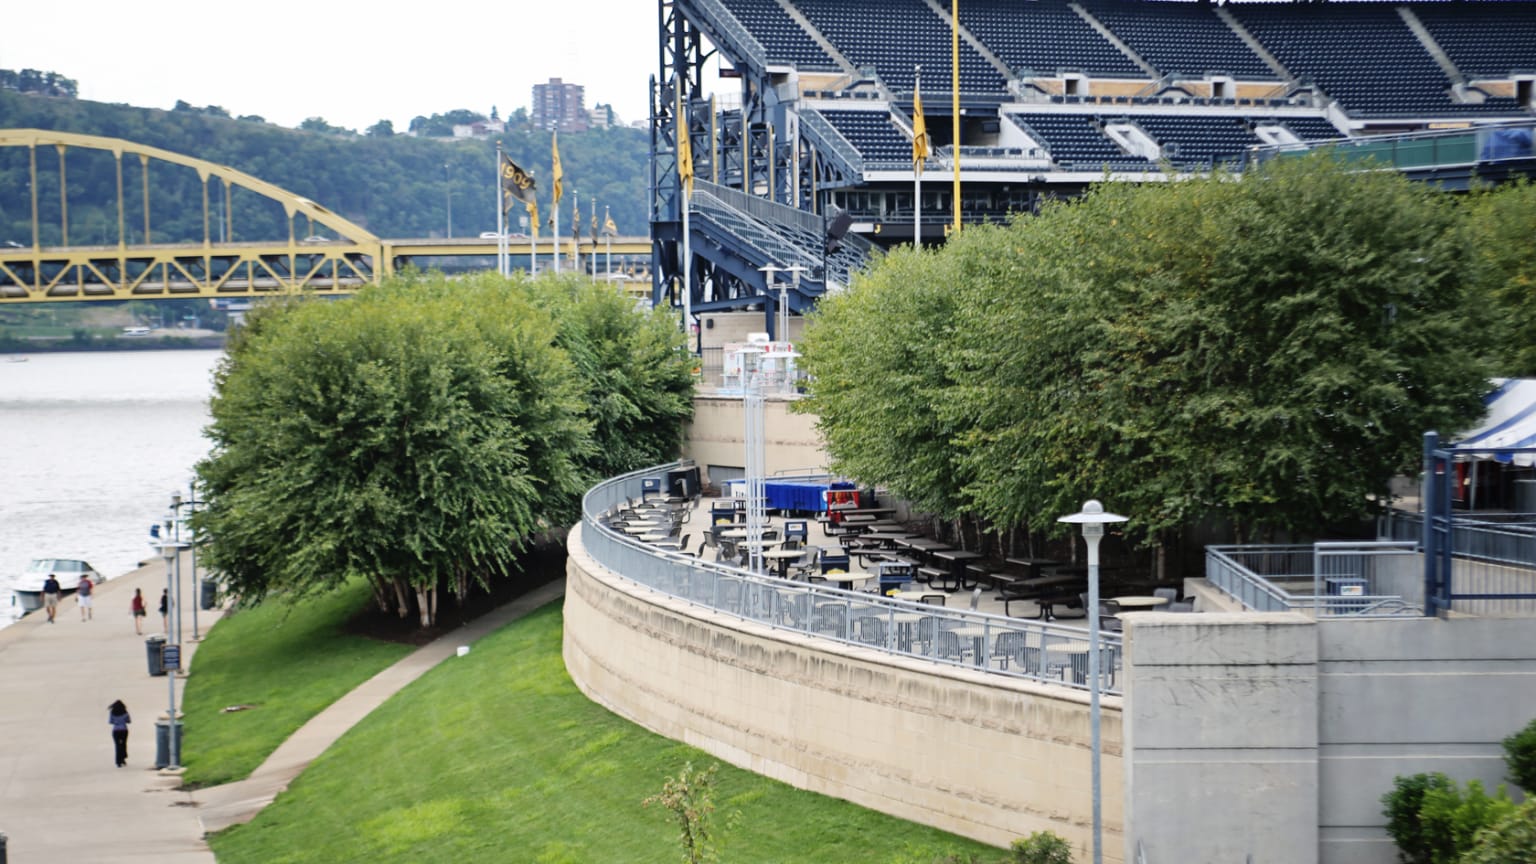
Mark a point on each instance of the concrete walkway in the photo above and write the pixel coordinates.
(61, 799)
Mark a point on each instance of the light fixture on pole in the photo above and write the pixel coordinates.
(177, 502)
(174, 637)
(170, 551)
(1093, 519)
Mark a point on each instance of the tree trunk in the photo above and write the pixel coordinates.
(402, 605)
(424, 599)
(380, 593)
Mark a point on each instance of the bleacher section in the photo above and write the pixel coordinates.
(772, 234)
(1184, 38)
(1043, 37)
(892, 35)
(786, 41)
(1076, 142)
(1202, 142)
(1361, 54)
(1481, 46)
(873, 133)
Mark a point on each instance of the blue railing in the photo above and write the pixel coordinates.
(993, 644)
(1324, 580)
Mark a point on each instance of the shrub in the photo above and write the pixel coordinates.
(1402, 807)
(691, 798)
(1450, 819)
(1041, 847)
(1520, 757)
(1512, 838)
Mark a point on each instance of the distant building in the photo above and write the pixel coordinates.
(479, 129)
(604, 117)
(558, 106)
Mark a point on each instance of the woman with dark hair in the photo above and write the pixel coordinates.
(117, 715)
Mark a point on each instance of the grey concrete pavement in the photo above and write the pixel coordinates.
(63, 801)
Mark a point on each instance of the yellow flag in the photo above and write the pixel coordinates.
(684, 147)
(919, 135)
(559, 174)
(609, 227)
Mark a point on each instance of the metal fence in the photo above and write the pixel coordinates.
(1324, 580)
(993, 644)
(1494, 556)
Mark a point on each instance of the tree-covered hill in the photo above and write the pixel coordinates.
(395, 185)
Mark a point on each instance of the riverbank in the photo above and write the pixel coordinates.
(155, 340)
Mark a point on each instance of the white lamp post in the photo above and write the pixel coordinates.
(1093, 519)
(170, 550)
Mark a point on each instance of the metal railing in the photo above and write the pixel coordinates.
(1493, 556)
(988, 643)
(1324, 580)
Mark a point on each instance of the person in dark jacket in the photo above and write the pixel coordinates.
(117, 716)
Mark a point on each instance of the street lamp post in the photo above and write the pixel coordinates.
(191, 504)
(1093, 519)
(170, 550)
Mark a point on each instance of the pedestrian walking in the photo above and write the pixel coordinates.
(165, 610)
(51, 597)
(137, 606)
(83, 597)
(117, 716)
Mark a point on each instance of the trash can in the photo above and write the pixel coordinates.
(167, 743)
(1346, 586)
(210, 594)
(154, 649)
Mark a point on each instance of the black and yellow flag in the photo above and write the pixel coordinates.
(609, 228)
(515, 182)
(556, 171)
(919, 134)
(684, 147)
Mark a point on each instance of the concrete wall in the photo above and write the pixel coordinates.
(717, 435)
(1220, 737)
(978, 755)
(1402, 696)
(718, 328)
(1276, 735)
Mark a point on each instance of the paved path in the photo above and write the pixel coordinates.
(61, 799)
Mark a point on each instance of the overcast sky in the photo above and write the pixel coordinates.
(350, 63)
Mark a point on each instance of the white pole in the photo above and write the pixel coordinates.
(501, 216)
(608, 257)
(687, 272)
(555, 240)
(917, 178)
(533, 249)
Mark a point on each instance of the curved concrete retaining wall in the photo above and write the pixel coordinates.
(988, 758)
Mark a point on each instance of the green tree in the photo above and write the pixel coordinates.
(1520, 758)
(1511, 839)
(634, 368)
(415, 435)
(1498, 226)
(1268, 350)
(879, 379)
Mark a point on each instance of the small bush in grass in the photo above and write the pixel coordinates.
(691, 798)
(1041, 847)
(1434, 822)
(1520, 758)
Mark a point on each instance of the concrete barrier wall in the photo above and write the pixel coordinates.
(1404, 696)
(984, 757)
(1220, 737)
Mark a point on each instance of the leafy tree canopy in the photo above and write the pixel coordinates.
(1268, 350)
(420, 433)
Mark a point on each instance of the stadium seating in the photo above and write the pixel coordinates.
(1184, 38)
(1077, 142)
(873, 133)
(1362, 54)
(783, 37)
(893, 35)
(1483, 45)
(1044, 37)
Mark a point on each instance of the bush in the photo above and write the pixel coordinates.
(1041, 847)
(1512, 838)
(1520, 758)
(1402, 807)
(1451, 819)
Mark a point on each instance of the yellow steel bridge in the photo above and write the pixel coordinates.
(327, 255)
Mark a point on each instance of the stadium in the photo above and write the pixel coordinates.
(809, 165)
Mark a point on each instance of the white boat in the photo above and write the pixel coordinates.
(28, 587)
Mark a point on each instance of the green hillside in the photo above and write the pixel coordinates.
(394, 185)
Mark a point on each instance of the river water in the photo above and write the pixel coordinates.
(91, 447)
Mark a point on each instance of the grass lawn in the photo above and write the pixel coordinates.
(497, 757)
(289, 663)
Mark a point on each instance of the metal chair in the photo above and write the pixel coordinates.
(1169, 594)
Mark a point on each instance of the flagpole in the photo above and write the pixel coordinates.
(917, 166)
(954, 86)
(533, 248)
(594, 239)
(555, 238)
(683, 189)
(501, 215)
